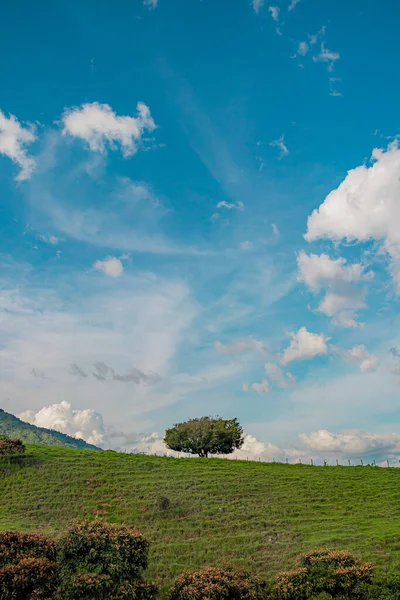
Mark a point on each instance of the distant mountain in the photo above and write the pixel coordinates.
(14, 428)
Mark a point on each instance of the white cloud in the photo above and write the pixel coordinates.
(83, 424)
(13, 140)
(352, 442)
(230, 205)
(258, 5)
(293, 5)
(150, 3)
(246, 245)
(48, 238)
(332, 87)
(280, 144)
(274, 10)
(338, 279)
(278, 378)
(366, 360)
(111, 266)
(302, 48)
(98, 125)
(365, 206)
(305, 346)
(275, 229)
(327, 56)
(239, 346)
(260, 388)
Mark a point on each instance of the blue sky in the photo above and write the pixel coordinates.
(160, 163)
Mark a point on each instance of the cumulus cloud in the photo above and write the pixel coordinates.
(239, 346)
(98, 125)
(230, 205)
(366, 360)
(259, 388)
(83, 424)
(13, 141)
(278, 378)
(280, 144)
(337, 278)
(327, 56)
(365, 207)
(111, 266)
(274, 10)
(305, 346)
(353, 443)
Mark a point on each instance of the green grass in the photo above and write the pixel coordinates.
(247, 514)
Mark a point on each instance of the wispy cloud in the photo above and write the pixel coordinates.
(152, 4)
(257, 5)
(274, 10)
(231, 205)
(333, 81)
(327, 56)
(280, 144)
(293, 5)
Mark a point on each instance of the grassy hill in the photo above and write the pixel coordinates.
(14, 428)
(247, 514)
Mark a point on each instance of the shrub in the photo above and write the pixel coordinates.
(103, 561)
(28, 579)
(163, 503)
(15, 545)
(336, 573)
(11, 447)
(216, 584)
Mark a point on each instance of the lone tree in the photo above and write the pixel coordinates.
(205, 436)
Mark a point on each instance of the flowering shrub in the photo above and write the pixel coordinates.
(336, 573)
(216, 584)
(28, 579)
(11, 447)
(103, 561)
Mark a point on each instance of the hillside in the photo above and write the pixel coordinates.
(248, 514)
(13, 427)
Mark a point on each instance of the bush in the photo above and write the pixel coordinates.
(28, 579)
(103, 561)
(216, 584)
(163, 503)
(15, 545)
(11, 447)
(332, 573)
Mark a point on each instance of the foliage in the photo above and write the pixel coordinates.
(27, 566)
(13, 427)
(216, 584)
(100, 560)
(9, 447)
(205, 436)
(28, 579)
(336, 573)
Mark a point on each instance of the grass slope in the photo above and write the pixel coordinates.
(247, 514)
(14, 428)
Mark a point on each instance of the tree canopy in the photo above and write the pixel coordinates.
(204, 436)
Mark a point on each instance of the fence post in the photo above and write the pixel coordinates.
(337, 462)
(287, 461)
(312, 462)
(300, 460)
(362, 464)
(387, 463)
